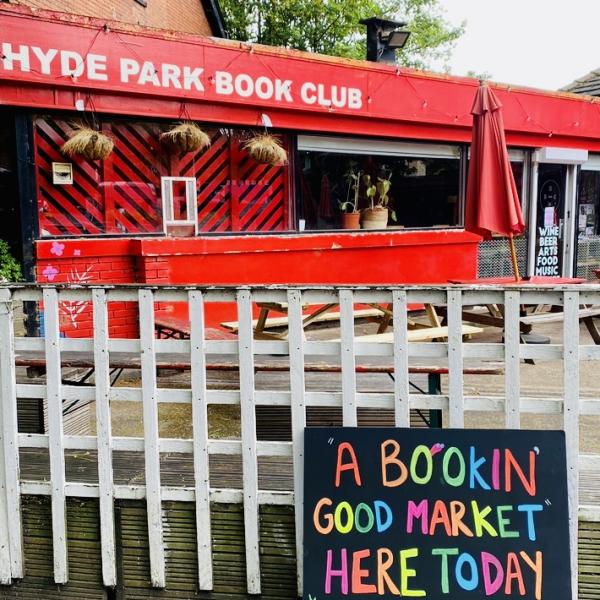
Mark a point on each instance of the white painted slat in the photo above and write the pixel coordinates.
(297, 388)
(104, 435)
(249, 464)
(347, 358)
(33, 344)
(55, 432)
(151, 440)
(571, 417)
(7, 433)
(200, 433)
(512, 361)
(456, 412)
(401, 377)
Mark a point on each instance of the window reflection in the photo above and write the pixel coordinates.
(424, 192)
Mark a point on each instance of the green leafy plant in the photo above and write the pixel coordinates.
(351, 206)
(10, 270)
(378, 193)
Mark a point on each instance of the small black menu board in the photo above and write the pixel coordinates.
(435, 514)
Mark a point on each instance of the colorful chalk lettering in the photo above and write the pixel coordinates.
(435, 514)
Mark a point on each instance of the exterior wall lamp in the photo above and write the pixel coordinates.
(384, 37)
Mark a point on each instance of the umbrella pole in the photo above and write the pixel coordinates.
(513, 258)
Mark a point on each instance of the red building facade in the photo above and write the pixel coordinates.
(254, 223)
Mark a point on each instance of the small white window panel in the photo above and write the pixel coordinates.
(62, 173)
(179, 209)
(592, 164)
(340, 145)
(561, 156)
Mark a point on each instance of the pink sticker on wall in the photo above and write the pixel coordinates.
(50, 272)
(57, 248)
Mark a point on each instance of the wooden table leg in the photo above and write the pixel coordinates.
(591, 327)
(262, 320)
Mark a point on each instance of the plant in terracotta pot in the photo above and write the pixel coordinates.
(349, 208)
(376, 215)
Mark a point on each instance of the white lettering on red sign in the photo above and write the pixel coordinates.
(93, 67)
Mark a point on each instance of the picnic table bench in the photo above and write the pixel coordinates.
(495, 318)
(418, 335)
(273, 422)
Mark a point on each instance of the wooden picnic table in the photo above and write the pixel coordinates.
(492, 315)
(313, 313)
(321, 313)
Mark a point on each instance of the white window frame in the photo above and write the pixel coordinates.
(166, 188)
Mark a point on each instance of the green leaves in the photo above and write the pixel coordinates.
(332, 26)
(10, 270)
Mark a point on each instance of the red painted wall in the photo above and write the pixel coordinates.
(375, 258)
(348, 258)
(90, 261)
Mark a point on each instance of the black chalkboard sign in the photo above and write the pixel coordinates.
(436, 514)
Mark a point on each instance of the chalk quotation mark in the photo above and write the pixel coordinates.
(536, 449)
(548, 503)
(329, 441)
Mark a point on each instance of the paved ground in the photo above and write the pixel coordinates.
(545, 378)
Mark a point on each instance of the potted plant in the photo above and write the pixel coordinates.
(186, 137)
(266, 149)
(87, 142)
(376, 215)
(10, 270)
(349, 208)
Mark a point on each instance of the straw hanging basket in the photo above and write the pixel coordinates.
(186, 137)
(89, 143)
(266, 149)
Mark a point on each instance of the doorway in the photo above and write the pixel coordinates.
(10, 217)
(551, 219)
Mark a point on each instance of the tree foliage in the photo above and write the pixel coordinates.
(10, 270)
(332, 26)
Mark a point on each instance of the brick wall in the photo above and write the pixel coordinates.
(178, 15)
(82, 261)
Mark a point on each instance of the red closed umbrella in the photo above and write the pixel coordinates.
(492, 204)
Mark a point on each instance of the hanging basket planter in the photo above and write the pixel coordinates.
(266, 149)
(186, 137)
(89, 143)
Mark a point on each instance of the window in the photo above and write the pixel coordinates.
(424, 190)
(179, 205)
(122, 195)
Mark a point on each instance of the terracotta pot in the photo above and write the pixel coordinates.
(374, 218)
(351, 220)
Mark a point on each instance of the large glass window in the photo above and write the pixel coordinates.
(122, 194)
(336, 174)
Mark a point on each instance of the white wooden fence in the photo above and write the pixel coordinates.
(454, 353)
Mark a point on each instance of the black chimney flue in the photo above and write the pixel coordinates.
(384, 37)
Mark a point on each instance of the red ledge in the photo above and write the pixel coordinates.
(298, 242)
(82, 248)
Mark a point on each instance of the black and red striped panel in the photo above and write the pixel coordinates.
(131, 181)
(122, 193)
(76, 209)
(258, 193)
